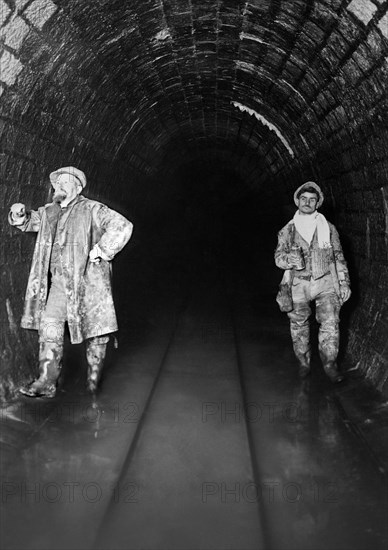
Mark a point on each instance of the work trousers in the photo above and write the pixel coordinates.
(52, 325)
(327, 306)
(51, 336)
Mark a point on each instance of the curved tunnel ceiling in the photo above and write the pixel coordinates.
(268, 78)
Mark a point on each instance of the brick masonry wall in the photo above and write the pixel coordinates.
(282, 91)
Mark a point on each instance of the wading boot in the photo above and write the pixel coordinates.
(50, 363)
(332, 372)
(303, 371)
(304, 364)
(95, 355)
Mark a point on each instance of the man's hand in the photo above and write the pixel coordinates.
(18, 213)
(96, 254)
(345, 292)
(295, 259)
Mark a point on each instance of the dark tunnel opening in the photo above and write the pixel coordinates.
(208, 224)
(208, 219)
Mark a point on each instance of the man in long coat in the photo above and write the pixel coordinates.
(310, 252)
(70, 277)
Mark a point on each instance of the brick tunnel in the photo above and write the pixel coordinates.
(197, 120)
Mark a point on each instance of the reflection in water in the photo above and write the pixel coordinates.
(320, 503)
(62, 474)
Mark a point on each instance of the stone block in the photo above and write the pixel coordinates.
(14, 33)
(376, 44)
(5, 10)
(19, 4)
(10, 68)
(349, 30)
(314, 32)
(364, 10)
(363, 58)
(383, 25)
(351, 72)
(39, 12)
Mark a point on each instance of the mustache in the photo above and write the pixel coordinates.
(59, 195)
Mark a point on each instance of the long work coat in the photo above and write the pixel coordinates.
(90, 308)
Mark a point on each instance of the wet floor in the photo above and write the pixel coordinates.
(202, 437)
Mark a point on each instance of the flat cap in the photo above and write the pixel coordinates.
(69, 170)
(309, 184)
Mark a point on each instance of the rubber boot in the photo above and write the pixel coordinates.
(327, 315)
(304, 360)
(50, 364)
(328, 355)
(300, 335)
(331, 369)
(95, 355)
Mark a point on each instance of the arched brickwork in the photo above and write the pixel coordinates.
(282, 90)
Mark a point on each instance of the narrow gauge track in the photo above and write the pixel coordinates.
(211, 366)
(140, 425)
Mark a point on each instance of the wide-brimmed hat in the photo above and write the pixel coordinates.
(69, 170)
(309, 184)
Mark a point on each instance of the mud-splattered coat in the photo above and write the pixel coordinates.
(317, 261)
(90, 308)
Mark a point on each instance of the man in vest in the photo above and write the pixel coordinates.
(70, 277)
(310, 251)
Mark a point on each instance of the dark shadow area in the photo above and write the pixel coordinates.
(207, 216)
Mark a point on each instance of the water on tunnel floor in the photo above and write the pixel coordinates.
(202, 436)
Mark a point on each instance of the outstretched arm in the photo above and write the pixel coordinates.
(24, 220)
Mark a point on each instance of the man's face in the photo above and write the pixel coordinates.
(307, 203)
(66, 188)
